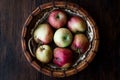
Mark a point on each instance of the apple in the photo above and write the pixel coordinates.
(76, 24)
(63, 37)
(63, 57)
(80, 43)
(44, 53)
(57, 19)
(43, 34)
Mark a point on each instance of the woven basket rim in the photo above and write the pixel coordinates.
(84, 63)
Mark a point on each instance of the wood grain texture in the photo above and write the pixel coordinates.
(106, 64)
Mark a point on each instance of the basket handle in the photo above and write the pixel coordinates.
(29, 46)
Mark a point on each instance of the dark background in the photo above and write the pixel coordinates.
(13, 64)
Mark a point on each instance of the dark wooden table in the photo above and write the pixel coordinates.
(13, 64)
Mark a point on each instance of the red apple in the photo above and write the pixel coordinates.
(44, 53)
(80, 43)
(63, 37)
(76, 24)
(57, 19)
(63, 57)
(43, 34)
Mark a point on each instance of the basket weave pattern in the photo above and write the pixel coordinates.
(32, 60)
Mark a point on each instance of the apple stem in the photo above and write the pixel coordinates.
(78, 50)
(57, 16)
(42, 48)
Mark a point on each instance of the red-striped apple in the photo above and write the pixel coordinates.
(63, 57)
(76, 24)
(57, 19)
(80, 43)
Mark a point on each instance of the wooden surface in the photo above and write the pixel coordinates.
(13, 64)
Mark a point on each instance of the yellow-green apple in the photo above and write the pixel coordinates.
(44, 53)
(43, 33)
(76, 24)
(57, 19)
(80, 43)
(63, 57)
(63, 37)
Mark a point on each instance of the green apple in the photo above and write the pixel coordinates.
(44, 53)
(63, 37)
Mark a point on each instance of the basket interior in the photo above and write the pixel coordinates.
(40, 16)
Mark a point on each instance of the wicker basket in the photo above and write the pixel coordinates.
(30, 24)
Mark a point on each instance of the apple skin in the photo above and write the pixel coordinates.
(44, 53)
(57, 19)
(63, 57)
(76, 24)
(43, 34)
(63, 37)
(80, 43)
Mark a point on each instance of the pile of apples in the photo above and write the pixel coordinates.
(67, 34)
